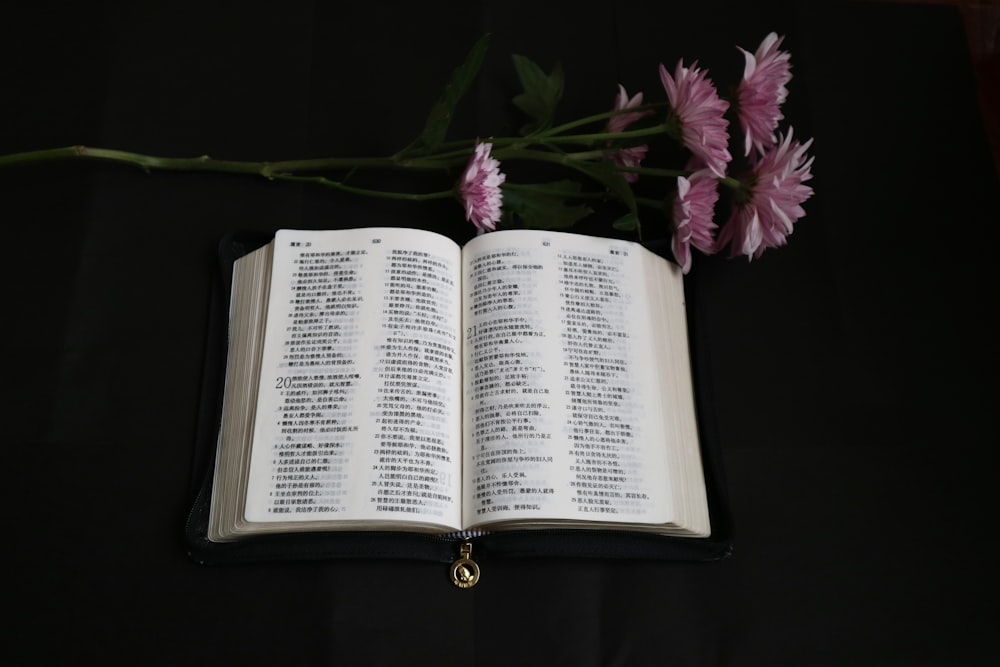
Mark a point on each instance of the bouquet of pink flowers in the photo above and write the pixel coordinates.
(600, 156)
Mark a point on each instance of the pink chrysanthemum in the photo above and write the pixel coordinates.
(480, 188)
(774, 204)
(697, 106)
(762, 92)
(631, 156)
(619, 122)
(694, 209)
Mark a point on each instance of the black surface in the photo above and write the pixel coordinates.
(853, 371)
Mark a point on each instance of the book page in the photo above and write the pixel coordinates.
(562, 412)
(358, 411)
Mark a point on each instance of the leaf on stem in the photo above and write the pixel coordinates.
(627, 223)
(439, 118)
(541, 95)
(606, 174)
(544, 205)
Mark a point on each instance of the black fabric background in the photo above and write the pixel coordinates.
(853, 371)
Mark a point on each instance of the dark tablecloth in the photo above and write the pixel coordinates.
(854, 371)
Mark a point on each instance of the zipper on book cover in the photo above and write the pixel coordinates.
(464, 570)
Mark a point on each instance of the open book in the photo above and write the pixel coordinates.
(389, 379)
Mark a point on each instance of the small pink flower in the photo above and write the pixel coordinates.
(480, 188)
(774, 204)
(762, 92)
(697, 106)
(631, 156)
(619, 122)
(694, 209)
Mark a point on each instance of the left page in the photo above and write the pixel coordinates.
(358, 411)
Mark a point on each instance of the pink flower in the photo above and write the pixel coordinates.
(619, 122)
(480, 188)
(697, 106)
(764, 220)
(694, 208)
(631, 156)
(762, 92)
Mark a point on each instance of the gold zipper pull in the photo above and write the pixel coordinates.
(465, 571)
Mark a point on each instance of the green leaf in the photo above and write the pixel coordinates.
(544, 205)
(439, 118)
(603, 172)
(606, 174)
(627, 223)
(541, 95)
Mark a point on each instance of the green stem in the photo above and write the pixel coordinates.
(596, 118)
(144, 162)
(384, 194)
(206, 163)
(606, 136)
(584, 156)
(270, 170)
(456, 149)
(653, 171)
(732, 183)
(449, 156)
(332, 164)
(564, 159)
(545, 140)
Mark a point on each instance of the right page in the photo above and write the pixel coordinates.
(578, 400)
